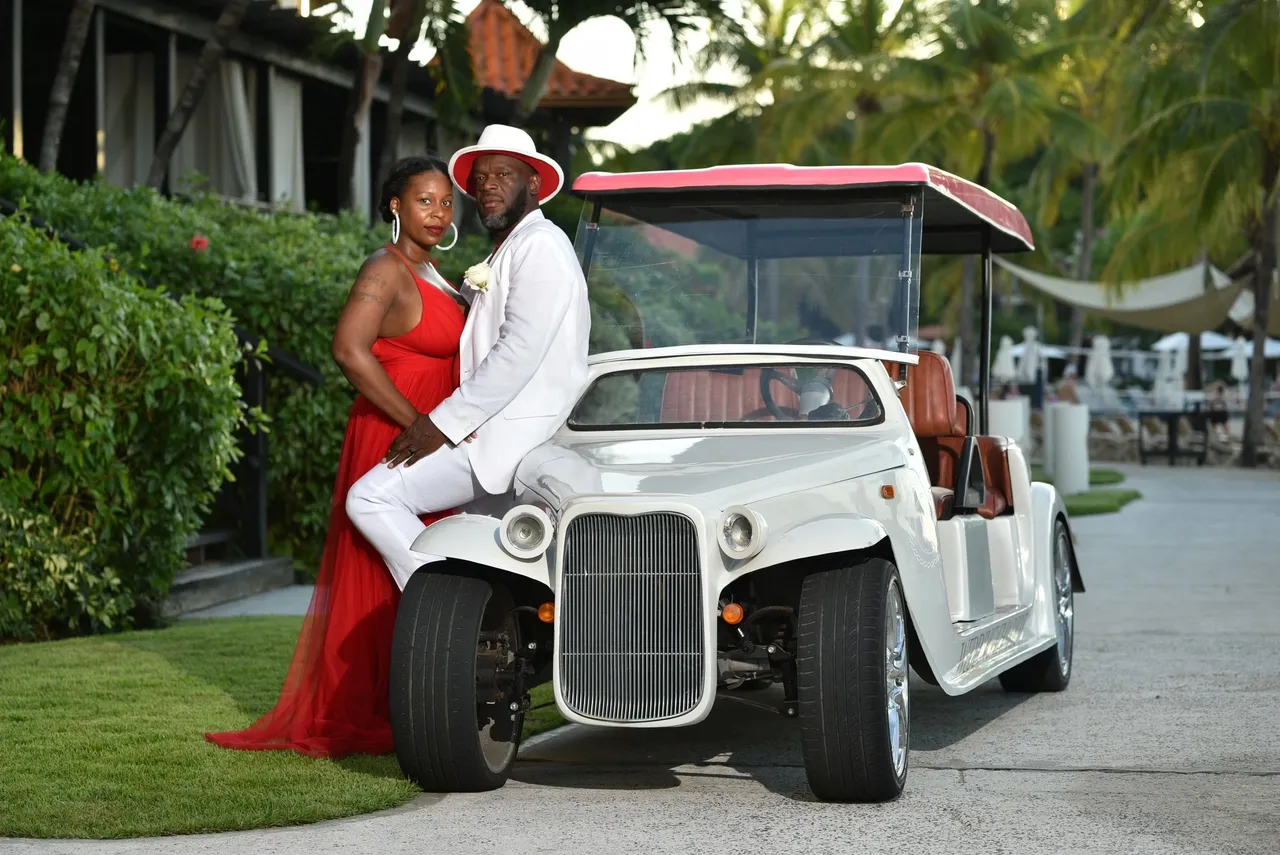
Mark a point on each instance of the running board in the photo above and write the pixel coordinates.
(992, 645)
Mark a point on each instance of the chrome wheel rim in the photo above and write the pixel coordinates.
(895, 677)
(497, 755)
(1065, 599)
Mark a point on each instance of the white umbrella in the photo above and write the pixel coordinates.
(1098, 370)
(1029, 365)
(1240, 353)
(1209, 340)
(1004, 370)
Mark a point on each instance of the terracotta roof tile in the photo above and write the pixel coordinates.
(503, 52)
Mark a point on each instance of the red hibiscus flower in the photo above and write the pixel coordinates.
(199, 243)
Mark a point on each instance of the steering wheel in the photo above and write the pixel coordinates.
(769, 374)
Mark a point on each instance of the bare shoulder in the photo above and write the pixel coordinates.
(381, 277)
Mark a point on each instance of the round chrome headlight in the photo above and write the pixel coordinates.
(525, 531)
(742, 533)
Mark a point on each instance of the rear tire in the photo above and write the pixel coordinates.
(853, 682)
(1050, 670)
(442, 734)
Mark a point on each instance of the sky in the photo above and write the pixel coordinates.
(605, 47)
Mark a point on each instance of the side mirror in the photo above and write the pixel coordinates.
(971, 486)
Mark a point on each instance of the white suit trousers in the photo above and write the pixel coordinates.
(384, 504)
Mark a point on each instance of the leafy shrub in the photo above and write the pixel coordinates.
(283, 276)
(48, 583)
(118, 412)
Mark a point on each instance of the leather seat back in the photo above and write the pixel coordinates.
(704, 395)
(929, 399)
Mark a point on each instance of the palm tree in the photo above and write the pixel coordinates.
(1100, 36)
(64, 82)
(360, 98)
(439, 24)
(983, 97)
(228, 22)
(840, 84)
(1207, 145)
(560, 17)
(761, 51)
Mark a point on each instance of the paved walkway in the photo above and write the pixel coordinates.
(1167, 741)
(292, 600)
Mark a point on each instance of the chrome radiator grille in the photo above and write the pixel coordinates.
(630, 615)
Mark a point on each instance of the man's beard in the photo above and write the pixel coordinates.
(506, 219)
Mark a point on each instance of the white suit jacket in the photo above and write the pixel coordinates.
(523, 352)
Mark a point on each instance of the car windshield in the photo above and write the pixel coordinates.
(764, 394)
(752, 268)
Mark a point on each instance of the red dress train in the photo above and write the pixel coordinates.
(335, 696)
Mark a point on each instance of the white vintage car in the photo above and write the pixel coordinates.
(765, 481)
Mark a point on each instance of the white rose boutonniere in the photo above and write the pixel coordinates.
(477, 276)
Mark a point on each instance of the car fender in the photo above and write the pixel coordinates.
(822, 536)
(1046, 506)
(474, 538)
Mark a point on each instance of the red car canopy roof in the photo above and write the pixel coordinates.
(955, 210)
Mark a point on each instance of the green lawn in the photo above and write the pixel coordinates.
(104, 737)
(1097, 477)
(1099, 501)
(1095, 501)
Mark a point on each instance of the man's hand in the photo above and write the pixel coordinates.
(415, 442)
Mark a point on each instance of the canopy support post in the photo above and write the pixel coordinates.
(589, 242)
(984, 349)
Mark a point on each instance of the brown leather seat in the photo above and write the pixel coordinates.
(929, 400)
(703, 395)
(941, 422)
(995, 472)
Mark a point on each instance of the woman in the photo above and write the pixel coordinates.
(397, 343)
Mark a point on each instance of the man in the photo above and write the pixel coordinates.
(523, 357)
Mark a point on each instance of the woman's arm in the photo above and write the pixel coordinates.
(371, 298)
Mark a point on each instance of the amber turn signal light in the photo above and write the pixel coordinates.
(886, 492)
(732, 613)
(547, 612)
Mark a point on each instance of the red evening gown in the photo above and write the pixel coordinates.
(335, 696)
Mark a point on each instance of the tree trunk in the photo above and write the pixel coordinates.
(358, 104)
(539, 76)
(228, 23)
(399, 83)
(1084, 265)
(1264, 270)
(64, 82)
(359, 101)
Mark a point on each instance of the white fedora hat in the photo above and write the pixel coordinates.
(508, 140)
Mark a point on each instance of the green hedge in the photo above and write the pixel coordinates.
(118, 413)
(283, 276)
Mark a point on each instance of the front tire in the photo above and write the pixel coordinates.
(853, 683)
(1050, 670)
(444, 735)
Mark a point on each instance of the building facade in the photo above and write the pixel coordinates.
(268, 129)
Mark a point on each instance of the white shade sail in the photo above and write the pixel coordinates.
(1173, 302)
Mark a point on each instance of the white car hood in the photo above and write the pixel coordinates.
(725, 469)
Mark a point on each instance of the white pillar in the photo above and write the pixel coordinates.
(1070, 453)
(1011, 417)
